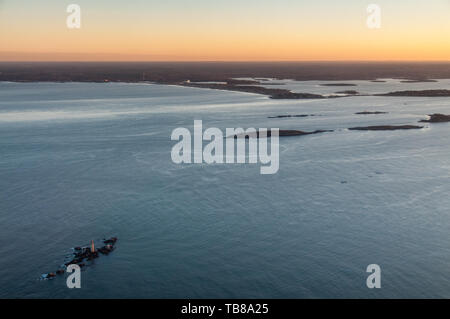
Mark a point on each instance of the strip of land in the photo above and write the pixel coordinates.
(175, 72)
(418, 81)
(437, 118)
(282, 133)
(290, 116)
(272, 93)
(338, 84)
(422, 93)
(349, 92)
(386, 128)
(228, 75)
(369, 113)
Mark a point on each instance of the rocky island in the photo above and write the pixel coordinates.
(290, 116)
(272, 93)
(386, 128)
(437, 118)
(282, 133)
(349, 92)
(418, 81)
(422, 93)
(82, 254)
(338, 84)
(369, 113)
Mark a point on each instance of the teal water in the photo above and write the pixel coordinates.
(86, 161)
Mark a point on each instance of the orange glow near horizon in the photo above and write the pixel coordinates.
(272, 31)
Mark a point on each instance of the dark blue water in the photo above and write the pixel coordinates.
(87, 161)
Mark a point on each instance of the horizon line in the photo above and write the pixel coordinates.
(225, 61)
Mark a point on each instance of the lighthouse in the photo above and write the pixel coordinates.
(92, 247)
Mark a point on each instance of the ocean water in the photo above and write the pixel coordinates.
(82, 161)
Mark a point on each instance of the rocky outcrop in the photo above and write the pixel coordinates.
(286, 95)
(338, 84)
(290, 116)
(437, 118)
(386, 128)
(112, 240)
(418, 81)
(272, 93)
(369, 113)
(423, 93)
(82, 254)
(348, 92)
(50, 275)
(282, 133)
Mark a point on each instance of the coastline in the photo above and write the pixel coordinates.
(277, 93)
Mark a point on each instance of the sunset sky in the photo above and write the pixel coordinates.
(224, 30)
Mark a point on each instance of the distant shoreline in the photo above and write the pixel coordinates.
(242, 86)
(175, 72)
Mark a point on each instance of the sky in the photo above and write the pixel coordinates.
(224, 30)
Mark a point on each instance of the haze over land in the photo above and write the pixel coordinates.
(174, 72)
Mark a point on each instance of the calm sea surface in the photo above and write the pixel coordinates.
(82, 161)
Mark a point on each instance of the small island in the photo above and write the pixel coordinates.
(82, 254)
(418, 81)
(290, 116)
(338, 84)
(437, 118)
(369, 113)
(282, 133)
(348, 92)
(272, 93)
(386, 128)
(423, 93)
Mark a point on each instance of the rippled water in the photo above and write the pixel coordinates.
(86, 161)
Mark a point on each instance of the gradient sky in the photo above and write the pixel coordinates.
(224, 30)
